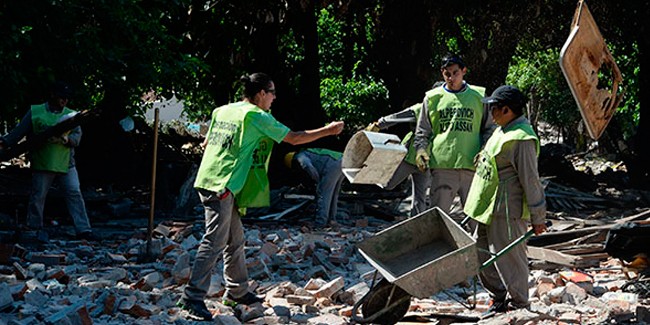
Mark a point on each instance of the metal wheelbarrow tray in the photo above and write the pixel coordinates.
(424, 254)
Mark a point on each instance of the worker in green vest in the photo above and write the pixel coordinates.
(323, 166)
(236, 144)
(505, 194)
(450, 130)
(53, 161)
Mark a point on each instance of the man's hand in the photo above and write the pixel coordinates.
(336, 127)
(539, 229)
(58, 140)
(372, 127)
(422, 159)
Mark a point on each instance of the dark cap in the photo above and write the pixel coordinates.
(506, 95)
(62, 90)
(451, 59)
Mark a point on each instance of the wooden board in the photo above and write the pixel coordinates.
(582, 58)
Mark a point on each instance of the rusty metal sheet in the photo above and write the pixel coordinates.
(592, 73)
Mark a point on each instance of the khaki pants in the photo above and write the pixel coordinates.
(509, 274)
(446, 184)
(224, 233)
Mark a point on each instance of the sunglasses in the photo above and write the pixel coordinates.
(271, 90)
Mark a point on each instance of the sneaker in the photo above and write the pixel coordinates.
(498, 306)
(195, 308)
(248, 299)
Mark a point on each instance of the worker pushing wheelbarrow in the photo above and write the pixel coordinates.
(430, 252)
(418, 257)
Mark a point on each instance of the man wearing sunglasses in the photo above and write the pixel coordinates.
(505, 193)
(449, 133)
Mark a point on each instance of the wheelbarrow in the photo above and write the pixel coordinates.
(418, 257)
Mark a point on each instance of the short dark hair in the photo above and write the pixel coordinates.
(255, 83)
(451, 59)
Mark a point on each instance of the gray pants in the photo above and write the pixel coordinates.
(420, 183)
(224, 233)
(446, 184)
(326, 172)
(69, 183)
(509, 275)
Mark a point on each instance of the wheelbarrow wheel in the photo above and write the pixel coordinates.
(378, 299)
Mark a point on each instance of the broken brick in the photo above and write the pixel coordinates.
(21, 273)
(330, 288)
(300, 300)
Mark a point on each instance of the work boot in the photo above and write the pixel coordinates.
(248, 299)
(496, 306)
(195, 308)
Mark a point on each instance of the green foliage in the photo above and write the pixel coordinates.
(628, 113)
(538, 73)
(118, 46)
(357, 101)
(331, 47)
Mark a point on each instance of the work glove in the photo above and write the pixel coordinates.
(422, 159)
(372, 127)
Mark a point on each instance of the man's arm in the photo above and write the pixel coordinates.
(74, 138)
(405, 115)
(525, 162)
(20, 131)
(487, 124)
(301, 137)
(423, 129)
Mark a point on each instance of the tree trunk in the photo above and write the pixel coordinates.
(309, 107)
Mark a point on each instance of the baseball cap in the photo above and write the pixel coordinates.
(62, 89)
(506, 95)
(452, 59)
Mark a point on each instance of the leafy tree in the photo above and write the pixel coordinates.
(537, 73)
(348, 93)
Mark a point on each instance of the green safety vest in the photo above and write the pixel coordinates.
(236, 155)
(256, 190)
(53, 157)
(326, 152)
(456, 126)
(409, 137)
(485, 184)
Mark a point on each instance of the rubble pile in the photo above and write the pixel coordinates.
(305, 276)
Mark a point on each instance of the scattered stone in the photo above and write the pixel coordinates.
(329, 319)
(226, 320)
(246, 313)
(300, 300)
(5, 296)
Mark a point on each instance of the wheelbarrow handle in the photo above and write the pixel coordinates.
(506, 249)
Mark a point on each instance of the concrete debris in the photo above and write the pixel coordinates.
(305, 277)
